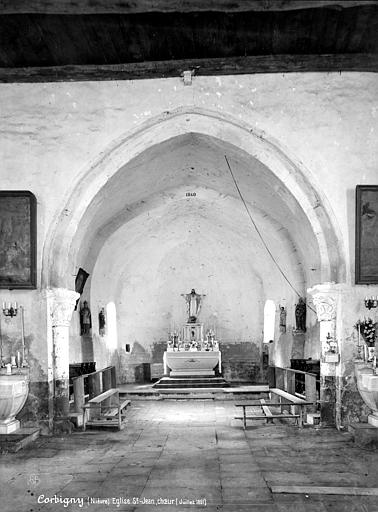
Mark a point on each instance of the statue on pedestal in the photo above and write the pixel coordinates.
(101, 322)
(85, 319)
(282, 319)
(193, 304)
(300, 315)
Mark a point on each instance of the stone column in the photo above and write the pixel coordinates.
(61, 303)
(325, 298)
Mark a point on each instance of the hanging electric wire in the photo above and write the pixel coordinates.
(260, 235)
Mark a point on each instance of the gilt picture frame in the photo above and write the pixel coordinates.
(18, 240)
(366, 253)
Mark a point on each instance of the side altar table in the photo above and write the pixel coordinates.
(186, 363)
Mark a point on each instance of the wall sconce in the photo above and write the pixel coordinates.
(10, 309)
(371, 302)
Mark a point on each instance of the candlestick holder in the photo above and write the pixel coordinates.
(371, 302)
(10, 309)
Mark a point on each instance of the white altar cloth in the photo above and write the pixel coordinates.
(192, 362)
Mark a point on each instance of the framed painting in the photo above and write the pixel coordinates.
(367, 234)
(80, 280)
(18, 230)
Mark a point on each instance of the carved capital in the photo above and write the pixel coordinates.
(325, 306)
(61, 305)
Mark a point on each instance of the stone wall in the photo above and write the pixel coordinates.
(50, 130)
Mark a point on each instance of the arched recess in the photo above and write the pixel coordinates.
(59, 267)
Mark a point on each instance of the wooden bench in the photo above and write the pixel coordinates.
(266, 408)
(88, 386)
(105, 410)
(295, 402)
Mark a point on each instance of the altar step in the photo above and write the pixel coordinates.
(169, 383)
(235, 391)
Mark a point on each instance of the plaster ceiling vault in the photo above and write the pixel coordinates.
(47, 40)
(144, 241)
(144, 216)
(143, 198)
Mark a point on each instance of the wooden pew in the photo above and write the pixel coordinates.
(88, 386)
(104, 410)
(266, 408)
(265, 412)
(268, 413)
(295, 403)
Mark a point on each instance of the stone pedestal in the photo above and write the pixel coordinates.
(7, 427)
(297, 351)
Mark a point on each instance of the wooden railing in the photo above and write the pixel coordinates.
(287, 380)
(95, 383)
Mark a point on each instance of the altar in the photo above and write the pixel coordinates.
(188, 363)
(189, 352)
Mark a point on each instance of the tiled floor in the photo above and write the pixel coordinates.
(180, 455)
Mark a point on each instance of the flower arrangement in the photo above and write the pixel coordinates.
(367, 329)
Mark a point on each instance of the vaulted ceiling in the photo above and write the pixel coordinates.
(47, 40)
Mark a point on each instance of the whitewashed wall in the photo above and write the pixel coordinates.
(52, 132)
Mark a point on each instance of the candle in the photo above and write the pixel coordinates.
(359, 334)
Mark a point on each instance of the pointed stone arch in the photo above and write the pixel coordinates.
(57, 269)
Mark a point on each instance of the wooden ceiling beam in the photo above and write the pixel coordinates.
(200, 67)
(140, 6)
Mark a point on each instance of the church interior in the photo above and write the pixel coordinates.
(188, 255)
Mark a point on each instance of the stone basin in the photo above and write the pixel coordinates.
(367, 383)
(13, 394)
